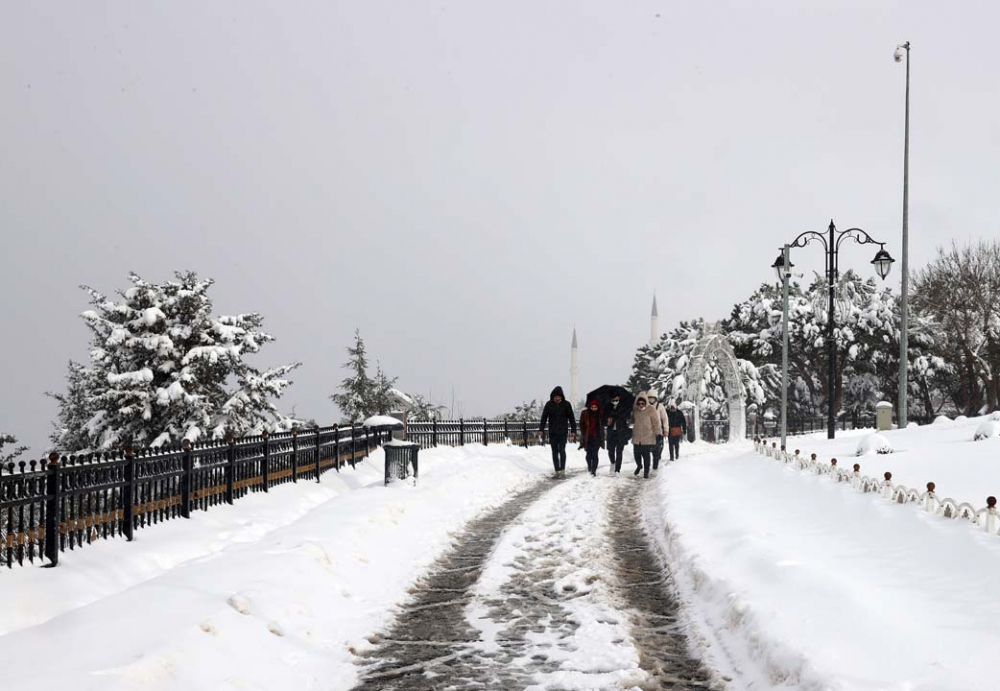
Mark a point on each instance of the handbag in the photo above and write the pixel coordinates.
(676, 431)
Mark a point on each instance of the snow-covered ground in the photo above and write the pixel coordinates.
(793, 581)
(943, 453)
(272, 593)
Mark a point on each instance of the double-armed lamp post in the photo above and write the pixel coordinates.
(831, 241)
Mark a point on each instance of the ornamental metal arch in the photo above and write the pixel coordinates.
(716, 347)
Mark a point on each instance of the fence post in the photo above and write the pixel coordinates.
(506, 430)
(461, 432)
(230, 468)
(434, 432)
(52, 517)
(186, 480)
(486, 433)
(318, 470)
(295, 455)
(368, 446)
(336, 447)
(265, 469)
(524, 438)
(354, 444)
(129, 492)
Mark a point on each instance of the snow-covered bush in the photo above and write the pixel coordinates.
(873, 443)
(961, 418)
(942, 420)
(995, 415)
(912, 425)
(988, 429)
(163, 369)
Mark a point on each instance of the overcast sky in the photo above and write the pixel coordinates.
(465, 181)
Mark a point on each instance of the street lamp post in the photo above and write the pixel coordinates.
(904, 316)
(783, 267)
(831, 244)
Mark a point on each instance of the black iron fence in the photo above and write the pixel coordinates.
(67, 502)
(477, 431)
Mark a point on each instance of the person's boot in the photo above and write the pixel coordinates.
(638, 469)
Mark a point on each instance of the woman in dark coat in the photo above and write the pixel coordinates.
(591, 433)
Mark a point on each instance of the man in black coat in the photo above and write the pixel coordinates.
(558, 413)
(616, 416)
(678, 428)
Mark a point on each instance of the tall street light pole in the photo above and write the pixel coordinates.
(904, 316)
(783, 267)
(831, 242)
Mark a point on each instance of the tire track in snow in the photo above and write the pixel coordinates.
(556, 589)
(644, 586)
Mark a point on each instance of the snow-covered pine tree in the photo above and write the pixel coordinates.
(865, 322)
(422, 410)
(664, 369)
(528, 411)
(72, 429)
(357, 392)
(10, 455)
(382, 399)
(162, 368)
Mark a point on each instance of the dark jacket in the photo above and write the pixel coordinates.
(558, 415)
(676, 419)
(618, 417)
(591, 425)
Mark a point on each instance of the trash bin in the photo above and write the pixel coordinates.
(399, 456)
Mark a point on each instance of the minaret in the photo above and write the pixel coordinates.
(574, 373)
(654, 325)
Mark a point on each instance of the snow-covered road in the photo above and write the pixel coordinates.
(557, 589)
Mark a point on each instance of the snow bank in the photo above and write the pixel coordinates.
(791, 580)
(275, 592)
(873, 443)
(988, 429)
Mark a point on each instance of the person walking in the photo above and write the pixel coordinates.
(558, 413)
(645, 429)
(618, 432)
(677, 427)
(591, 434)
(661, 412)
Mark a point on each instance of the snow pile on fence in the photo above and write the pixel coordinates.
(281, 587)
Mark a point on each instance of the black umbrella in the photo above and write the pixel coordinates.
(605, 393)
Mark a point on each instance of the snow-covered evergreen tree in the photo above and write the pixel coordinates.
(163, 369)
(664, 369)
(382, 400)
(528, 411)
(865, 326)
(357, 391)
(423, 410)
(11, 454)
(72, 428)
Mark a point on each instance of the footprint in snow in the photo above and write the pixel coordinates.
(240, 603)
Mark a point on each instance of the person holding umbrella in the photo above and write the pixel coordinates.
(615, 403)
(591, 434)
(558, 413)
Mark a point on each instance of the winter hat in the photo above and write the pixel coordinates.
(593, 402)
